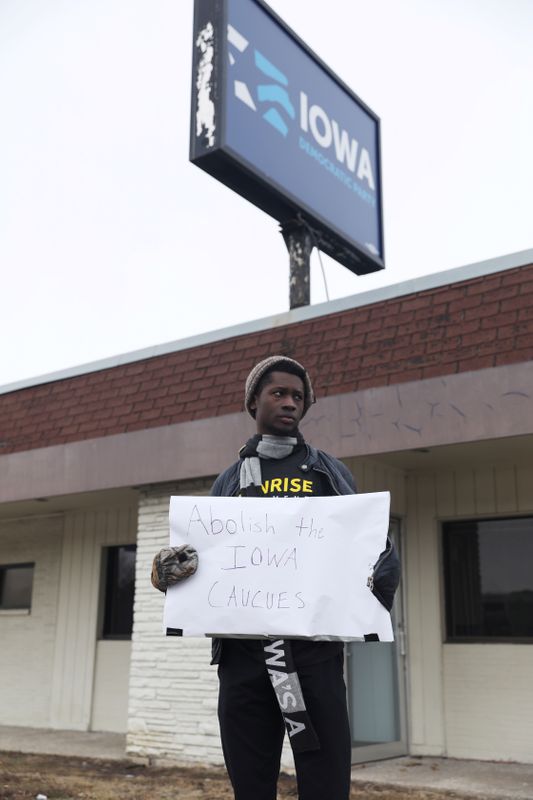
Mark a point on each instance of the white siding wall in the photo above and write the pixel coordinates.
(173, 689)
(27, 640)
(467, 701)
(110, 694)
(372, 475)
(86, 533)
(47, 657)
(489, 701)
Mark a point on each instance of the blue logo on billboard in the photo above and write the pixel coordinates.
(320, 136)
(265, 92)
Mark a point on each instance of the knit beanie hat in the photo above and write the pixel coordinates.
(271, 363)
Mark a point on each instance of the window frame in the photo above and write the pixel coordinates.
(480, 640)
(13, 566)
(104, 584)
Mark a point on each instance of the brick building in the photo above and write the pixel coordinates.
(425, 389)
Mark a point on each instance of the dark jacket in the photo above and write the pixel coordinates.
(386, 576)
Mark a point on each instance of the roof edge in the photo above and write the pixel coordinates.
(414, 285)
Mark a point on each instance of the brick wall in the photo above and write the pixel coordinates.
(473, 324)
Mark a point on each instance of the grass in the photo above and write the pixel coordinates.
(25, 776)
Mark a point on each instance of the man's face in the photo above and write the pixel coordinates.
(279, 406)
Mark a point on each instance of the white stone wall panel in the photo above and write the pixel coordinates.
(173, 690)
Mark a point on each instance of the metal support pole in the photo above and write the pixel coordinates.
(299, 243)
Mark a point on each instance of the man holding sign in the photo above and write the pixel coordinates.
(269, 686)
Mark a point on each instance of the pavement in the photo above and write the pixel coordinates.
(63, 743)
(483, 780)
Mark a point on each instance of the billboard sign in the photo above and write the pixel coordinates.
(270, 120)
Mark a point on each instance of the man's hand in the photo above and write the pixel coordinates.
(173, 564)
(385, 576)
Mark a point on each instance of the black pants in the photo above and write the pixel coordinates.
(252, 729)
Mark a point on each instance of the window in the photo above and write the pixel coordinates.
(488, 579)
(119, 591)
(16, 581)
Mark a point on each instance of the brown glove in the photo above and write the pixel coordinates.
(173, 564)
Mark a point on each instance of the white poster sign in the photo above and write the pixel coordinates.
(287, 567)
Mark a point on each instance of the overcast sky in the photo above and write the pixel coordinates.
(110, 240)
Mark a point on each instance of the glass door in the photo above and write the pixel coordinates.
(376, 687)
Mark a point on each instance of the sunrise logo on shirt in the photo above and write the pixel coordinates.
(288, 486)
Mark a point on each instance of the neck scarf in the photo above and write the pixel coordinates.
(278, 654)
(258, 447)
